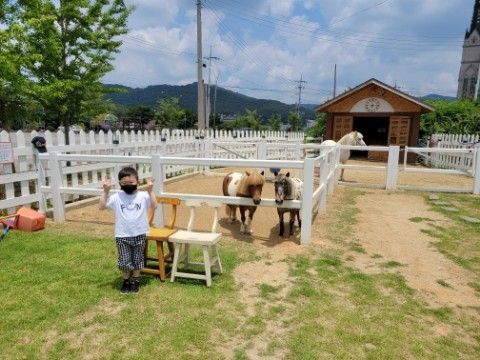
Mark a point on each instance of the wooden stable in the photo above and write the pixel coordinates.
(383, 114)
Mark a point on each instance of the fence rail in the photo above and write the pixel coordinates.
(314, 199)
(19, 180)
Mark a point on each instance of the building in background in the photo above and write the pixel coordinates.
(468, 76)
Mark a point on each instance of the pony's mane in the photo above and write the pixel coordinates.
(254, 179)
(353, 135)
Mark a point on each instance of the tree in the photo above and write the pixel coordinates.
(67, 47)
(275, 122)
(318, 129)
(452, 117)
(169, 113)
(12, 102)
(294, 120)
(252, 120)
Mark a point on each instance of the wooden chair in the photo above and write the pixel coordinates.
(207, 240)
(160, 236)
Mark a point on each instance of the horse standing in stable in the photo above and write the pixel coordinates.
(288, 188)
(353, 138)
(248, 185)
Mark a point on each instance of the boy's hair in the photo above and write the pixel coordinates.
(127, 171)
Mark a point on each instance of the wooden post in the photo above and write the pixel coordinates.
(307, 202)
(157, 175)
(56, 181)
(323, 181)
(262, 150)
(392, 167)
(476, 179)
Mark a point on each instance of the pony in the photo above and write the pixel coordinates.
(247, 185)
(287, 188)
(353, 138)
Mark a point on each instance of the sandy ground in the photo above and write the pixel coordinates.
(383, 228)
(384, 231)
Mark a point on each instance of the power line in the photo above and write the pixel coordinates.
(355, 40)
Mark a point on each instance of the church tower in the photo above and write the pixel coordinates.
(468, 77)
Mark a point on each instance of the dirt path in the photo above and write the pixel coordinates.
(384, 232)
(384, 229)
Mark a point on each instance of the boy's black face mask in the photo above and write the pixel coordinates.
(129, 189)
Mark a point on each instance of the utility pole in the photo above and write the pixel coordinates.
(210, 57)
(215, 101)
(200, 88)
(300, 87)
(335, 81)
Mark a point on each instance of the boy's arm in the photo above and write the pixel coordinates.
(107, 184)
(153, 199)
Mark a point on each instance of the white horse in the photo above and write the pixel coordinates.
(353, 138)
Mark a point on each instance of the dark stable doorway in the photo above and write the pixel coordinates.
(374, 131)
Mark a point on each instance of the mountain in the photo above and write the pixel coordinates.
(228, 102)
(437, 97)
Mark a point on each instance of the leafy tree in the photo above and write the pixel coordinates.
(169, 113)
(275, 122)
(294, 120)
(13, 105)
(452, 117)
(251, 119)
(67, 46)
(318, 129)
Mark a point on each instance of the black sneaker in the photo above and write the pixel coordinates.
(134, 286)
(126, 287)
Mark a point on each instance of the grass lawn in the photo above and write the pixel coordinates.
(60, 300)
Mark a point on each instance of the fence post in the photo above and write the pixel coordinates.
(476, 179)
(163, 152)
(331, 170)
(262, 150)
(157, 174)
(392, 167)
(307, 201)
(56, 181)
(42, 200)
(322, 206)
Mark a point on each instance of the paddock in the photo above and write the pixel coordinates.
(265, 224)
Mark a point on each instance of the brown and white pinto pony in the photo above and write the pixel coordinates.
(248, 185)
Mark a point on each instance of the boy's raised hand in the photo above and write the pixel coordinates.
(149, 184)
(107, 184)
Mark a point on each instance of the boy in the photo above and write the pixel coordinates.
(131, 224)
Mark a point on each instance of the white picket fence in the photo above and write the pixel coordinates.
(19, 180)
(460, 160)
(316, 185)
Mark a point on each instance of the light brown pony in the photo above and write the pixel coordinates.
(247, 185)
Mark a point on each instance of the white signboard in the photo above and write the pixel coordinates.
(6, 153)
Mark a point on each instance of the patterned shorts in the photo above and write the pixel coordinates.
(130, 252)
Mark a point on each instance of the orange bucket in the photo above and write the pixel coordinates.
(29, 220)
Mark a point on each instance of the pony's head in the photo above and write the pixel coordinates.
(358, 139)
(283, 187)
(252, 185)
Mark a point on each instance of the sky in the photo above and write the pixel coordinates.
(262, 48)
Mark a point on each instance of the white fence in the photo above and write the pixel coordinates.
(69, 172)
(19, 180)
(461, 160)
(316, 187)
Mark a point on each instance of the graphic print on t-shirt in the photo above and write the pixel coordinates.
(131, 207)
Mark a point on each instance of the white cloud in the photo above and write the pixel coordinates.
(270, 43)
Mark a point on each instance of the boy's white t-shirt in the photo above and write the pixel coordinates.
(130, 213)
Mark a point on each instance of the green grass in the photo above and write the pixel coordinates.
(60, 300)
(391, 264)
(459, 241)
